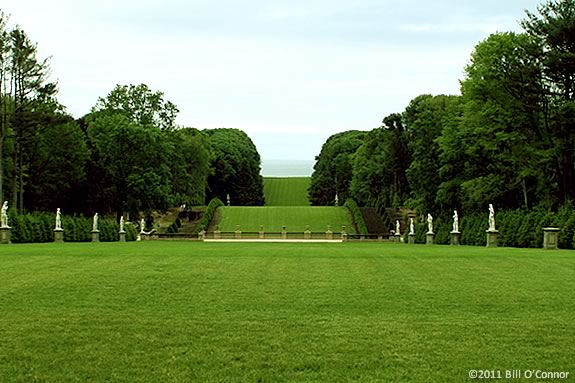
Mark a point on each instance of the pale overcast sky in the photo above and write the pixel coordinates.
(289, 73)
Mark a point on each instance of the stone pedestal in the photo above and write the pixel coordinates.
(58, 235)
(122, 236)
(329, 234)
(217, 234)
(284, 234)
(455, 236)
(307, 234)
(344, 236)
(5, 234)
(262, 234)
(492, 237)
(95, 235)
(551, 238)
(429, 238)
(238, 234)
(397, 238)
(411, 239)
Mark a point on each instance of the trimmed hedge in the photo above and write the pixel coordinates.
(208, 215)
(39, 227)
(357, 217)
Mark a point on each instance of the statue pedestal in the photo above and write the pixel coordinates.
(95, 235)
(411, 239)
(238, 234)
(122, 236)
(329, 234)
(217, 234)
(344, 236)
(455, 236)
(550, 238)
(397, 238)
(58, 235)
(307, 234)
(5, 234)
(284, 234)
(429, 238)
(492, 237)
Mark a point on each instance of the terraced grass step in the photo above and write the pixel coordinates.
(286, 191)
(272, 218)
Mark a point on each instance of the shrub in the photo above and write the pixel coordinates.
(208, 215)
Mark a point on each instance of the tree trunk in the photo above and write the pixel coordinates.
(21, 183)
(525, 200)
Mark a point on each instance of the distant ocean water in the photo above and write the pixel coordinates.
(287, 168)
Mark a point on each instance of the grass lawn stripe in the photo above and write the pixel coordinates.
(286, 191)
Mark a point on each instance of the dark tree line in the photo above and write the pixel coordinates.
(508, 139)
(127, 155)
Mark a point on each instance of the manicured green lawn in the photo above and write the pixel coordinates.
(286, 191)
(295, 218)
(366, 312)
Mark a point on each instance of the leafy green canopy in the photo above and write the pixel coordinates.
(236, 168)
(333, 168)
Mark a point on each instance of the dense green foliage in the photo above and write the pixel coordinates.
(286, 191)
(356, 216)
(333, 169)
(296, 219)
(508, 139)
(180, 311)
(236, 168)
(39, 227)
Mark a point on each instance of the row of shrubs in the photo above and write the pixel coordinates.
(357, 217)
(39, 227)
(208, 215)
(517, 228)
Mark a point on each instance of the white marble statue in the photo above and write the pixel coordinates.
(411, 227)
(336, 200)
(4, 214)
(228, 199)
(491, 218)
(397, 228)
(121, 224)
(58, 219)
(429, 224)
(95, 223)
(455, 222)
(142, 225)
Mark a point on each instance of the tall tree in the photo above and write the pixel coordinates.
(4, 93)
(30, 92)
(425, 118)
(333, 169)
(129, 170)
(141, 105)
(379, 176)
(554, 29)
(505, 142)
(236, 168)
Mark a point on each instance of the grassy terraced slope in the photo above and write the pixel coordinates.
(286, 191)
(295, 218)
